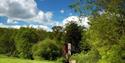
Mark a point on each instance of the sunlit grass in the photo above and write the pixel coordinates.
(16, 60)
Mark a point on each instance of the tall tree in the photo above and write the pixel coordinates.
(7, 45)
(73, 35)
(57, 32)
(24, 40)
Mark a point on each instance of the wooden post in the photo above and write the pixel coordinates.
(69, 54)
(69, 49)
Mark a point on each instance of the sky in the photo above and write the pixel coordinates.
(37, 13)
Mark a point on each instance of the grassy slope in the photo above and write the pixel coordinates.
(15, 60)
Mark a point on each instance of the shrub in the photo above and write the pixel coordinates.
(90, 57)
(60, 60)
(46, 49)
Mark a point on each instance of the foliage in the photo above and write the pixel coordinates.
(60, 60)
(84, 45)
(104, 36)
(107, 29)
(57, 33)
(90, 57)
(73, 35)
(47, 49)
(19, 42)
(42, 34)
(24, 40)
(84, 7)
(7, 45)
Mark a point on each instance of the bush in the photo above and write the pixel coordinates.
(60, 60)
(46, 49)
(90, 57)
(113, 55)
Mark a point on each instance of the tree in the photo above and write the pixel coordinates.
(42, 34)
(7, 45)
(73, 35)
(83, 7)
(107, 29)
(24, 40)
(57, 32)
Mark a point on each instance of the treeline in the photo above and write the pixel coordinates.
(30, 43)
(18, 42)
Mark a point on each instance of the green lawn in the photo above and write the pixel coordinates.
(16, 60)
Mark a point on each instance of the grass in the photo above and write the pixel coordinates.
(4, 59)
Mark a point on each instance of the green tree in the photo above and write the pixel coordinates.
(107, 29)
(24, 40)
(42, 34)
(7, 45)
(57, 32)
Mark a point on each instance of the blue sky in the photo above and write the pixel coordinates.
(35, 13)
(55, 6)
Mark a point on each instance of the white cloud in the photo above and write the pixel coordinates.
(42, 17)
(84, 21)
(48, 16)
(24, 10)
(9, 26)
(18, 9)
(62, 11)
(11, 21)
(40, 27)
(14, 26)
(31, 25)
